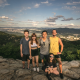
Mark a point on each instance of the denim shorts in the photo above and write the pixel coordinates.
(42, 56)
(57, 56)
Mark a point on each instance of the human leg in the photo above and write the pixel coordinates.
(37, 63)
(33, 61)
(48, 75)
(23, 60)
(55, 72)
(60, 67)
(28, 62)
(42, 59)
(60, 64)
(37, 58)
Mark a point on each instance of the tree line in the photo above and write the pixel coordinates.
(10, 47)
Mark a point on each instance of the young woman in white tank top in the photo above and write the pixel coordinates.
(33, 48)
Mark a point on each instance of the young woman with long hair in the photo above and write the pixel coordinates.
(33, 48)
(50, 66)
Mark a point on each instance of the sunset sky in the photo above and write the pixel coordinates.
(40, 13)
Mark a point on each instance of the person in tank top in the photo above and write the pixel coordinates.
(33, 48)
(54, 48)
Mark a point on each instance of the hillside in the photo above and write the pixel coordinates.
(10, 48)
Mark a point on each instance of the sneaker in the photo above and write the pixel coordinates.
(34, 69)
(37, 69)
(61, 75)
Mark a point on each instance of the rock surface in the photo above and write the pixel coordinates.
(11, 69)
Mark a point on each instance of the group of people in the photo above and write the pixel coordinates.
(49, 50)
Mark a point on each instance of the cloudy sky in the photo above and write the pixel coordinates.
(40, 13)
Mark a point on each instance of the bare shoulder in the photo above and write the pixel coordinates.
(60, 40)
(29, 41)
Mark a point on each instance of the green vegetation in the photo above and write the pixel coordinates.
(10, 47)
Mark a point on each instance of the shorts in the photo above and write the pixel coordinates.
(57, 56)
(34, 52)
(25, 57)
(42, 56)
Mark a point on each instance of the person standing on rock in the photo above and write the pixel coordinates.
(50, 66)
(24, 49)
(33, 48)
(54, 48)
(44, 47)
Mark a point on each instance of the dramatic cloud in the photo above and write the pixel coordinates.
(36, 5)
(45, 2)
(3, 3)
(68, 19)
(53, 19)
(25, 8)
(71, 24)
(34, 23)
(3, 17)
(73, 3)
(10, 20)
(59, 16)
(70, 8)
(78, 19)
(50, 23)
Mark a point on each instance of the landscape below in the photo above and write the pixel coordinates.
(10, 47)
(11, 63)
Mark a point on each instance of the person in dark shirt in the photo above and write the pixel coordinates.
(50, 66)
(24, 49)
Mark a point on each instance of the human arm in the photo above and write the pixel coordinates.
(38, 45)
(21, 42)
(21, 50)
(61, 44)
(30, 48)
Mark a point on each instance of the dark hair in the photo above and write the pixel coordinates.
(34, 35)
(26, 31)
(54, 61)
(54, 29)
(44, 31)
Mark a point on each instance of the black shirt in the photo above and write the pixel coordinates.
(50, 65)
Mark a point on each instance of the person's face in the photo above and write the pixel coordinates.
(44, 34)
(54, 32)
(51, 57)
(26, 34)
(34, 37)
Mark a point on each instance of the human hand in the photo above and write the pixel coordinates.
(40, 37)
(21, 54)
(30, 57)
(58, 52)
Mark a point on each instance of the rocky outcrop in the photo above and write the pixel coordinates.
(11, 69)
